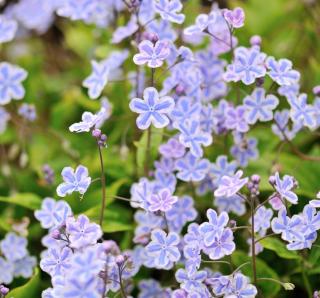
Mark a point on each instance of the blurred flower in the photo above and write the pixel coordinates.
(162, 201)
(14, 247)
(235, 18)
(8, 28)
(169, 10)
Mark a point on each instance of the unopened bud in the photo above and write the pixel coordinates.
(288, 286)
(120, 260)
(272, 180)
(96, 133)
(255, 40)
(4, 290)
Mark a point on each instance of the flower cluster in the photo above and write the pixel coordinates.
(15, 260)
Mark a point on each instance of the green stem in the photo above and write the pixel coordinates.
(253, 244)
(103, 185)
(306, 280)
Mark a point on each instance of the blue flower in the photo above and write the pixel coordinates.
(8, 29)
(221, 245)
(6, 271)
(233, 204)
(247, 66)
(28, 112)
(163, 29)
(152, 109)
(191, 281)
(235, 119)
(172, 149)
(262, 219)
(284, 187)
(14, 247)
(185, 111)
(163, 248)
(181, 212)
(302, 112)
(97, 79)
(123, 32)
(281, 71)
(56, 261)
(89, 120)
(192, 255)
(193, 235)
(311, 219)
(87, 264)
(259, 107)
(11, 77)
(235, 18)
(52, 213)
(151, 289)
(230, 185)
(77, 180)
(162, 201)
(241, 288)
(190, 168)
(192, 137)
(24, 267)
(140, 193)
(152, 54)
(74, 288)
(202, 23)
(81, 232)
(222, 168)
(169, 10)
(289, 228)
(214, 227)
(244, 149)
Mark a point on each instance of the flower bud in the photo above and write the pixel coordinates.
(255, 179)
(255, 40)
(55, 234)
(4, 290)
(179, 89)
(288, 286)
(96, 133)
(111, 246)
(120, 260)
(316, 90)
(272, 180)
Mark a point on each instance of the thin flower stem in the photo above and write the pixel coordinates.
(242, 265)
(243, 197)
(105, 280)
(253, 246)
(240, 228)
(270, 279)
(264, 202)
(103, 185)
(123, 292)
(305, 279)
(218, 262)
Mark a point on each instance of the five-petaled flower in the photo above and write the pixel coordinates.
(11, 77)
(163, 247)
(77, 180)
(162, 201)
(230, 185)
(259, 107)
(89, 120)
(82, 232)
(152, 54)
(169, 10)
(97, 79)
(284, 188)
(281, 71)
(247, 66)
(152, 109)
(8, 28)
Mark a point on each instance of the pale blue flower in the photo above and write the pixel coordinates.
(289, 228)
(247, 66)
(163, 248)
(52, 213)
(140, 193)
(192, 137)
(172, 149)
(185, 111)
(82, 232)
(13, 247)
(89, 120)
(302, 112)
(233, 204)
(235, 17)
(87, 263)
(8, 29)
(222, 168)
(163, 29)
(162, 201)
(281, 71)
(152, 54)
(221, 245)
(164, 180)
(6, 271)
(214, 227)
(152, 289)
(311, 219)
(126, 31)
(202, 22)
(262, 220)
(259, 106)
(235, 119)
(24, 267)
(77, 180)
(152, 109)
(230, 185)
(75, 288)
(191, 168)
(169, 10)
(241, 288)
(192, 254)
(244, 149)
(191, 281)
(181, 212)
(56, 261)
(11, 77)
(284, 188)
(97, 79)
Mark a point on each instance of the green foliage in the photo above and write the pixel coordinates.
(279, 248)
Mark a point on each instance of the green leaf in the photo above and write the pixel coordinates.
(116, 218)
(27, 200)
(29, 289)
(269, 289)
(142, 144)
(279, 248)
